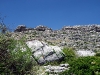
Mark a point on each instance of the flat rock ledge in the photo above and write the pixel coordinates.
(56, 69)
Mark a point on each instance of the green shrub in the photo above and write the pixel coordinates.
(84, 66)
(98, 54)
(13, 60)
(69, 54)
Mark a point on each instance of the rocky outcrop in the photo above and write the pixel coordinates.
(80, 36)
(43, 52)
(20, 28)
(83, 28)
(42, 28)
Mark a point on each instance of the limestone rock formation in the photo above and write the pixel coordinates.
(43, 52)
(80, 37)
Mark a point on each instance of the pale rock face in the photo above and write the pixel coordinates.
(56, 69)
(85, 53)
(44, 52)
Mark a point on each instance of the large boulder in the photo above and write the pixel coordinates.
(43, 52)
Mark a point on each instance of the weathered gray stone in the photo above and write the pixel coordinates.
(56, 69)
(20, 28)
(42, 28)
(85, 53)
(80, 37)
(44, 52)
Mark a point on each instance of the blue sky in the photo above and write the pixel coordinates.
(51, 13)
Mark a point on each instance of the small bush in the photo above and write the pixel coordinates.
(69, 54)
(98, 54)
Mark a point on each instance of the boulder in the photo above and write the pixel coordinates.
(85, 53)
(43, 52)
(42, 28)
(20, 28)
